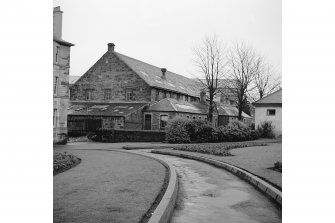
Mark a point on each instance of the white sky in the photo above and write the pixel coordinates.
(164, 32)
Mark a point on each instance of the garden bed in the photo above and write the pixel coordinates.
(218, 149)
(63, 162)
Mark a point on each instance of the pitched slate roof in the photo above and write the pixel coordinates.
(104, 109)
(173, 105)
(227, 110)
(152, 75)
(274, 98)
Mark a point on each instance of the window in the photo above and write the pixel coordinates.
(200, 117)
(178, 97)
(107, 94)
(271, 112)
(88, 94)
(129, 95)
(187, 116)
(57, 53)
(186, 98)
(55, 85)
(163, 121)
(55, 118)
(205, 119)
(193, 117)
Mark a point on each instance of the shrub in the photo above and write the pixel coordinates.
(235, 131)
(176, 131)
(266, 129)
(200, 131)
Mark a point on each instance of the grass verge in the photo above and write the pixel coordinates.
(218, 149)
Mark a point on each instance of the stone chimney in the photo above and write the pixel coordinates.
(111, 47)
(202, 95)
(163, 73)
(58, 15)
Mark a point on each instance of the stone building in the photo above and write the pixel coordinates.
(61, 66)
(122, 92)
(116, 77)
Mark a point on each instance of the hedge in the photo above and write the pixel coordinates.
(112, 135)
(181, 130)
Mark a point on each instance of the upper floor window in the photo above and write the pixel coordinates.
(107, 94)
(186, 98)
(55, 85)
(88, 94)
(129, 95)
(57, 53)
(178, 96)
(55, 118)
(271, 112)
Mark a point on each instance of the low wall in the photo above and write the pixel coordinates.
(127, 136)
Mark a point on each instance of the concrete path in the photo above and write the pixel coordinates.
(209, 194)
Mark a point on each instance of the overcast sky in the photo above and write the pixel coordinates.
(164, 32)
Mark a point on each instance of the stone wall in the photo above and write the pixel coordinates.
(109, 72)
(61, 66)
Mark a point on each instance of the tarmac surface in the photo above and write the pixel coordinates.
(210, 194)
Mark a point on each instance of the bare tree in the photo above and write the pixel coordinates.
(243, 66)
(265, 81)
(210, 62)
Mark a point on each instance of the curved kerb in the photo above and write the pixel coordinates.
(164, 210)
(270, 191)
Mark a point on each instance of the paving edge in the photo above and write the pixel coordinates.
(271, 192)
(165, 208)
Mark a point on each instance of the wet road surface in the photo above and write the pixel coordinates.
(210, 194)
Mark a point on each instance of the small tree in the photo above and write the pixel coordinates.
(265, 82)
(211, 64)
(243, 65)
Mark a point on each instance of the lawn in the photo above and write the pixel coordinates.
(107, 186)
(255, 159)
(218, 149)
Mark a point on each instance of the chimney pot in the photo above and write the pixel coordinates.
(163, 72)
(111, 47)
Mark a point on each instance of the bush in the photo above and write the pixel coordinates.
(266, 130)
(176, 131)
(181, 130)
(200, 131)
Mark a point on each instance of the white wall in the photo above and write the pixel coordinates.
(261, 116)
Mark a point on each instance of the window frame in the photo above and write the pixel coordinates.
(107, 94)
(57, 54)
(56, 85)
(160, 121)
(268, 112)
(131, 94)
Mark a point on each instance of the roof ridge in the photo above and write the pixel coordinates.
(268, 95)
(150, 65)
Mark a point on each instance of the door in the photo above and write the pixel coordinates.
(147, 122)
